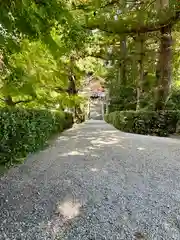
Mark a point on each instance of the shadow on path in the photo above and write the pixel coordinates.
(94, 182)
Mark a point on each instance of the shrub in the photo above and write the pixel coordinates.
(122, 99)
(24, 131)
(174, 100)
(160, 123)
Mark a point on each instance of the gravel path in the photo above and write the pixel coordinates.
(95, 182)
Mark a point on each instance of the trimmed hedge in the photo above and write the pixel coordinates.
(25, 131)
(160, 123)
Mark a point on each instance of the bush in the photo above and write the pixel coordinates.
(123, 99)
(174, 101)
(25, 131)
(160, 123)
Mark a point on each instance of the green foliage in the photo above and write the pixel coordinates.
(24, 131)
(39, 39)
(125, 99)
(45, 35)
(122, 26)
(161, 123)
(174, 100)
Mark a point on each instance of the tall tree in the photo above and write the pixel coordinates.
(163, 72)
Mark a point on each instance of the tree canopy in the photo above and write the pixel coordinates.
(49, 46)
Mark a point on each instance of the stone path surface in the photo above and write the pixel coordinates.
(95, 182)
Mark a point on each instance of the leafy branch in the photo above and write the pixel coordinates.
(139, 29)
(9, 101)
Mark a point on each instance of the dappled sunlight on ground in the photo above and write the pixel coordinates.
(93, 144)
(90, 140)
(65, 212)
(108, 141)
(141, 148)
(81, 152)
(94, 170)
(89, 177)
(68, 209)
(62, 138)
(73, 153)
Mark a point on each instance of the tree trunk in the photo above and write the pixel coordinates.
(9, 102)
(163, 68)
(123, 52)
(141, 71)
(72, 78)
(123, 61)
(163, 71)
